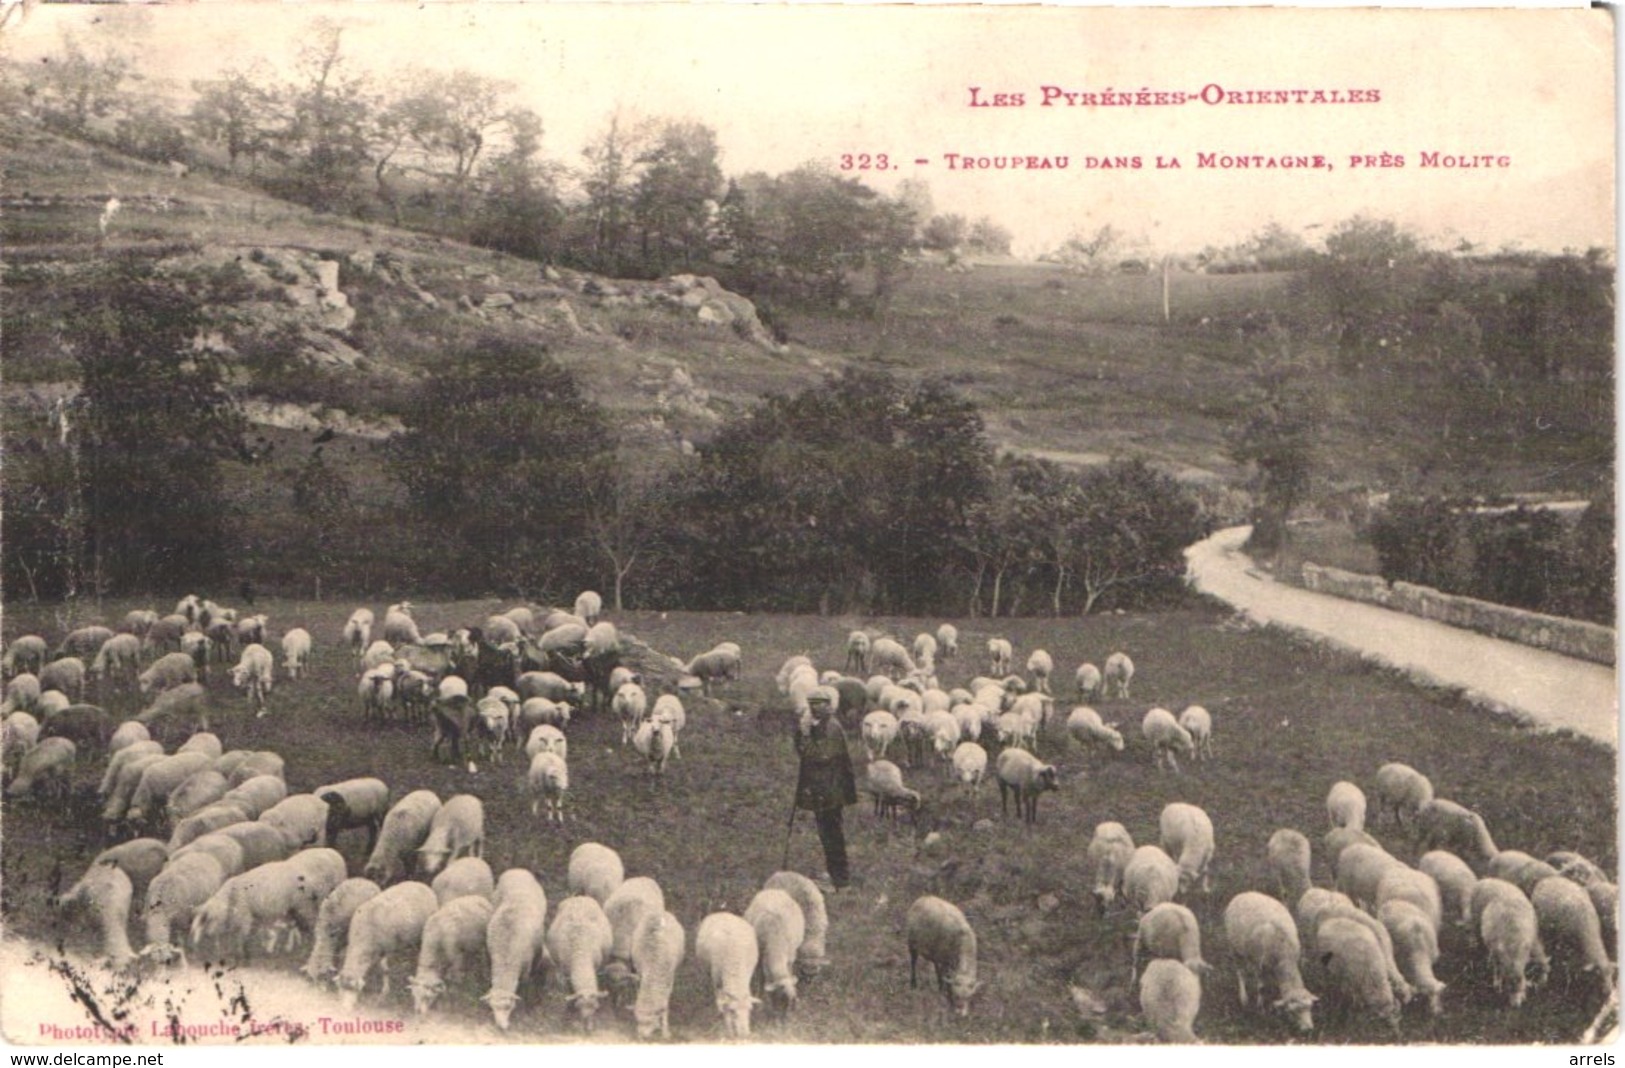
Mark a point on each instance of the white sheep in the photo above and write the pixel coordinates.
(579, 940)
(183, 885)
(1026, 776)
(879, 730)
(457, 829)
(251, 765)
(22, 693)
(1040, 665)
(84, 641)
(1520, 869)
(206, 821)
(1198, 723)
(554, 687)
(1360, 869)
(1338, 907)
(119, 657)
(1119, 672)
(50, 703)
(1416, 948)
(546, 738)
(1334, 841)
(376, 689)
(1413, 886)
(206, 743)
(547, 780)
(300, 818)
(296, 645)
(125, 773)
(1355, 967)
(1570, 928)
(332, 931)
(1149, 878)
(1264, 946)
(515, 939)
(196, 792)
(1187, 833)
(167, 671)
(938, 931)
(389, 924)
(1312, 905)
(21, 734)
(1345, 806)
(159, 780)
(127, 734)
(1167, 738)
(1402, 790)
(1108, 855)
(780, 927)
(186, 705)
(626, 907)
(654, 740)
(358, 632)
(1455, 881)
(948, 641)
(1169, 931)
(1442, 824)
(261, 843)
(1289, 861)
(888, 657)
(812, 957)
(714, 665)
(969, 763)
(140, 859)
(355, 803)
(594, 870)
(924, 650)
(107, 891)
(264, 898)
(669, 707)
(857, 652)
(999, 655)
(726, 948)
(539, 711)
(399, 626)
(1084, 724)
(26, 654)
(1170, 998)
(589, 606)
(657, 950)
(453, 938)
(970, 717)
(883, 781)
(631, 706)
(377, 654)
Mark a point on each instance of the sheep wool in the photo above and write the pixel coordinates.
(332, 930)
(1354, 966)
(1170, 998)
(579, 940)
(390, 924)
(726, 948)
(514, 939)
(939, 932)
(657, 950)
(811, 958)
(1110, 849)
(453, 938)
(405, 828)
(780, 928)
(1264, 944)
(594, 870)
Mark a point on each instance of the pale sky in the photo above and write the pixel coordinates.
(783, 85)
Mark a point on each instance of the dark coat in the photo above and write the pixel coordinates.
(826, 780)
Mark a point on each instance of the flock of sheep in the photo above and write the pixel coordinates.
(250, 868)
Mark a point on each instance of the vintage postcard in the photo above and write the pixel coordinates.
(1194, 425)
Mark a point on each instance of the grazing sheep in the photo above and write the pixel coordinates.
(377, 655)
(127, 734)
(727, 951)
(1604, 894)
(161, 779)
(164, 634)
(87, 726)
(1442, 824)
(1167, 738)
(1110, 850)
(389, 924)
(26, 654)
(195, 793)
(552, 686)
(126, 773)
(252, 765)
(1355, 968)
(626, 907)
(206, 821)
(589, 606)
(1360, 869)
(140, 859)
(50, 703)
(811, 958)
(1455, 881)
(1187, 833)
(1338, 839)
(83, 642)
(1119, 672)
(1337, 906)
(1170, 998)
(183, 885)
(548, 780)
(1313, 905)
(1345, 806)
(1415, 887)
(107, 890)
(657, 950)
(888, 657)
(1571, 929)
(21, 734)
(594, 870)
(1416, 948)
(265, 897)
(1574, 866)
(296, 645)
(780, 928)
(999, 655)
(206, 743)
(1169, 931)
(1289, 859)
(1519, 868)
(939, 932)
(1149, 878)
(453, 937)
(457, 829)
(1040, 665)
(579, 940)
(332, 929)
(119, 658)
(167, 672)
(879, 730)
(22, 694)
(1509, 930)
(1263, 942)
(715, 665)
(186, 705)
(969, 763)
(355, 803)
(405, 828)
(1088, 680)
(358, 632)
(1402, 790)
(1021, 773)
(948, 641)
(138, 621)
(261, 843)
(1198, 723)
(301, 819)
(66, 674)
(514, 939)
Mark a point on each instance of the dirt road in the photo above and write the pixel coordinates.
(1540, 687)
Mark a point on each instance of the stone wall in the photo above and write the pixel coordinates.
(1571, 637)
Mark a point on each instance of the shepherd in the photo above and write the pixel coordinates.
(826, 784)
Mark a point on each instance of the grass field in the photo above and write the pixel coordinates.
(1289, 721)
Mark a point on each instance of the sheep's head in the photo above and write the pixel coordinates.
(782, 994)
(1048, 778)
(350, 992)
(431, 860)
(735, 1011)
(585, 1005)
(961, 988)
(502, 1006)
(1296, 1006)
(424, 991)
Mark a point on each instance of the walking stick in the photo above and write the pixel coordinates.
(784, 865)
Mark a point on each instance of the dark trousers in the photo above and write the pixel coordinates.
(833, 838)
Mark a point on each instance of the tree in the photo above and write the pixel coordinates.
(1130, 528)
(627, 512)
(498, 458)
(1282, 408)
(449, 117)
(156, 420)
(944, 232)
(676, 194)
(1094, 253)
(1365, 283)
(329, 131)
(78, 84)
(609, 183)
(519, 209)
(988, 237)
(238, 111)
(321, 500)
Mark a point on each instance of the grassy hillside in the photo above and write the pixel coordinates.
(1289, 722)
